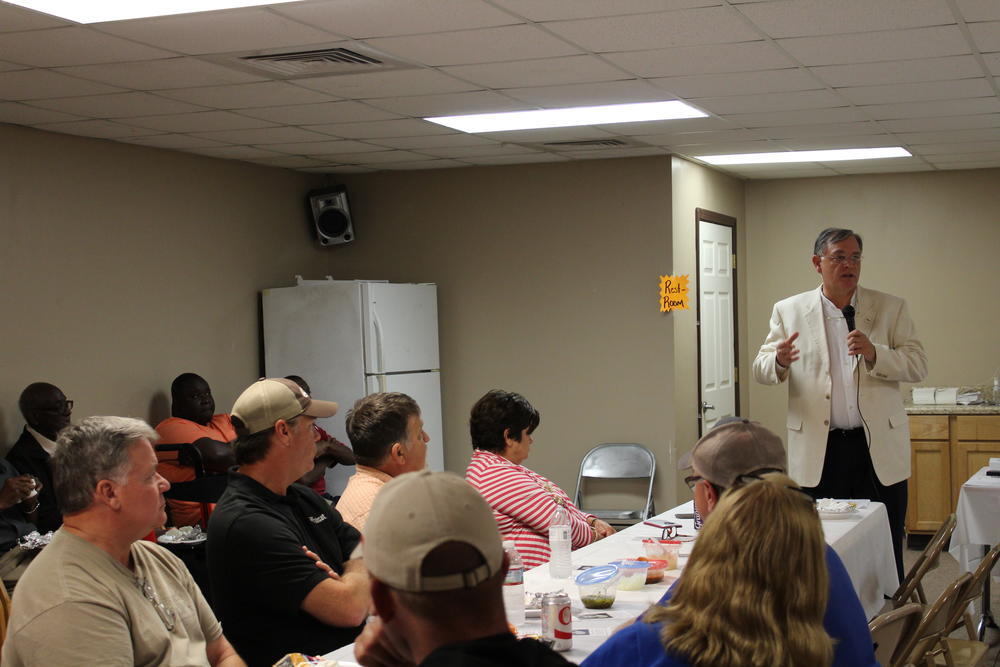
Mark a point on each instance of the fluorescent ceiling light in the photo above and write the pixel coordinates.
(97, 11)
(602, 115)
(806, 156)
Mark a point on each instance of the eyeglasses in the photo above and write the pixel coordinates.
(59, 408)
(669, 532)
(840, 259)
(165, 613)
(692, 481)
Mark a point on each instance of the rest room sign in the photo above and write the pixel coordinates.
(674, 293)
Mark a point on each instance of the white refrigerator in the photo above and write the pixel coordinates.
(349, 339)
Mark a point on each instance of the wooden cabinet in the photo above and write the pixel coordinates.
(945, 451)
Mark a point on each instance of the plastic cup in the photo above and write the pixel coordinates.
(598, 585)
(633, 574)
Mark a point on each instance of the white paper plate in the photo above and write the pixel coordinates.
(196, 540)
(838, 515)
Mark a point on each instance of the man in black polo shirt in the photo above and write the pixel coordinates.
(269, 595)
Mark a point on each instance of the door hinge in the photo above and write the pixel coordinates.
(734, 261)
(736, 374)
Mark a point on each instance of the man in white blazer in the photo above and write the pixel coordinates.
(848, 435)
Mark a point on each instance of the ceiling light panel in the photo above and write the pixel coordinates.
(807, 156)
(99, 11)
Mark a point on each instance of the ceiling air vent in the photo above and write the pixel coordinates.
(588, 143)
(322, 61)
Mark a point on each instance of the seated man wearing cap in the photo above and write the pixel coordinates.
(268, 593)
(437, 568)
(388, 438)
(737, 449)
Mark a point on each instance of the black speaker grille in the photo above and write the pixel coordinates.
(332, 222)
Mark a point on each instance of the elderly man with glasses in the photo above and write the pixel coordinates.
(843, 351)
(46, 412)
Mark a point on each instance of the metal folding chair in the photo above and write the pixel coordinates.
(618, 461)
(892, 630)
(911, 589)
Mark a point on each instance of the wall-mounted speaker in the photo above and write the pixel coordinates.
(331, 215)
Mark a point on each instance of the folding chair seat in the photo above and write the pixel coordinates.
(618, 461)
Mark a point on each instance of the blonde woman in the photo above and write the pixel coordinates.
(739, 604)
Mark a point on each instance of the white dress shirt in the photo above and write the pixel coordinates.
(844, 411)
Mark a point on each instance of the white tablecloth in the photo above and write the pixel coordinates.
(978, 520)
(862, 542)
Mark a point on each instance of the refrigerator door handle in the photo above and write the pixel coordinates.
(379, 359)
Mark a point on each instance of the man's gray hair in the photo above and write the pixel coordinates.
(94, 449)
(835, 235)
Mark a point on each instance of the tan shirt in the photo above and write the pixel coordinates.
(356, 502)
(76, 605)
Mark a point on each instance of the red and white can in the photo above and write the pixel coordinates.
(557, 621)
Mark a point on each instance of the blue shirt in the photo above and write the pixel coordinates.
(845, 622)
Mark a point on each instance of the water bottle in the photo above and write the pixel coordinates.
(560, 544)
(513, 585)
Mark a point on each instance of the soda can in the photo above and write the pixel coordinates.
(697, 519)
(557, 620)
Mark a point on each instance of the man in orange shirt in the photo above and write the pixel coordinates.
(192, 406)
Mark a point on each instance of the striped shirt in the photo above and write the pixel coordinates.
(523, 503)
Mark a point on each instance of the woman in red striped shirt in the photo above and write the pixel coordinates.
(522, 500)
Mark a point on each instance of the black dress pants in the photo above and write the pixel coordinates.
(848, 473)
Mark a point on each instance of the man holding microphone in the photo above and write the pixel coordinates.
(843, 350)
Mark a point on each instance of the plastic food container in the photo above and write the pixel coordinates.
(633, 574)
(656, 569)
(598, 585)
(667, 550)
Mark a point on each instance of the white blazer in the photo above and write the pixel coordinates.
(899, 357)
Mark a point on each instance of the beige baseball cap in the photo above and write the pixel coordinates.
(737, 447)
(269, 399)
(419, 511)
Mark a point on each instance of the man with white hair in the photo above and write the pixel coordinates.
(99, 594)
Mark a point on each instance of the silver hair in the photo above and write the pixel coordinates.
(835, 235)
(94, 449)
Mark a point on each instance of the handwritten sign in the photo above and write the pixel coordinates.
(673, 293)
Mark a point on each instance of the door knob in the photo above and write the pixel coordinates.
(706, 406)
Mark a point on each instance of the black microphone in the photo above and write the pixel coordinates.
(848, 312)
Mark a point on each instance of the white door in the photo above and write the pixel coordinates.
(716, 313)
(425, 389)
(401, 331)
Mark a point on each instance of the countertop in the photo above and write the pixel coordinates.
(936, 409)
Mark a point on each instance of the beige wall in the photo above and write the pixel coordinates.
(695, 186)
(122, 266)
(930, 237)
(548, 286)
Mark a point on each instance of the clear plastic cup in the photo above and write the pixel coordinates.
(598, 585)
(633, 574)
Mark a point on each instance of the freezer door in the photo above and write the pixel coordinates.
(425, 389)
(401, 328)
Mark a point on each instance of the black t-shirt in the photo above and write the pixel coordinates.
(496, 650)
(260, 576)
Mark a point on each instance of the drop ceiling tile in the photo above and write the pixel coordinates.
(589, 94)
(667, 126)
(899, 71)
(218, 32)
(613, 153)
(232, 152)
(520, 42)
(265, 135)
(981, 164)
(408, 127)
(957, 158)
(515, 159)
(918, 92)
(543, 135)
(824, 143)
(877, 46)
(979, 10)
(14, 18)
(710, 137)
(118, 105)
(541, 72)
(467, 151)
(964, 147)
(101, 129)
(440, 141)
(183, 72)
(986, 35)
(247, 95)
(805, 99)
(687, 60)
(480, 101)
(683, 27)
(953, 136)
(992, 62)
(25, 114)
(558, 10)
(326, 112)
(772, 171)
(171, 141)
(823, 130)
(204, 121)
(978, 105)
(288, 161)
(423, 164)
(742, 83)
(941, 123)
(798, 117)
(10, 67)
(395, 83)
(361, 19)
(315, 148)
(903, 164)
(821, 17)
(739, 147)
(374, 158)
(72, 46)
(35, 84)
